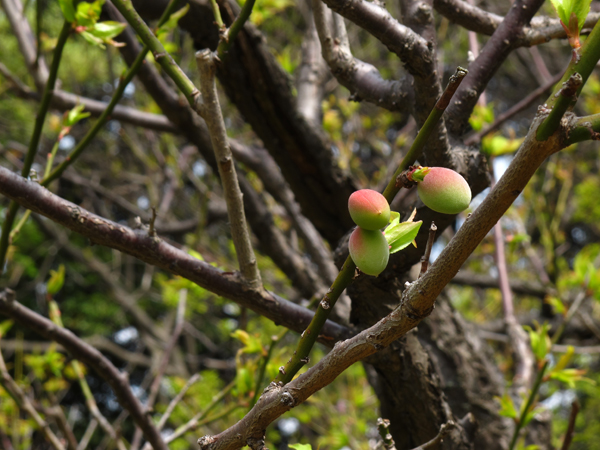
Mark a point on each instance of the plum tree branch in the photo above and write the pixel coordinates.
(416, 303)
(363, 80)
(212, 114)
(157, 252)
(90, 356)
(492, 55)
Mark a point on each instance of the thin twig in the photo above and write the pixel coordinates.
(36, 135)
(383, 426)
(417, 146)
(444, 430)
(517, 108)
(23, 403)
(90, 356)
(530, 400)
(163, 363)
(213, 116)
(524, 358)
(427, 254)
(571, 427)
(234, 29)
(565, 100)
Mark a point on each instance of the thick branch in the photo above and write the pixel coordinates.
(489, 60)
(363, 80)
(161, 254)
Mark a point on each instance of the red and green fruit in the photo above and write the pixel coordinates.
(369, 209)
(444, 190)
(369, 250)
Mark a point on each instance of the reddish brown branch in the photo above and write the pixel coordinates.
(155, 251)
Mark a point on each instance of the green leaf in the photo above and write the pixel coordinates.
(88, 13)
(300, 446)
(171, 23)
(507, 407)
(402, 235)
(107, 30)
(569, 376)
(75, 115)
(566, 8)
(56, 281)
(4, 327)
(564, 359)
(68, 10)
(539, 340)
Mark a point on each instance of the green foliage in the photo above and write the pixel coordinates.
(539, 340)
(56, 281)
(568, 8)
(401, 235)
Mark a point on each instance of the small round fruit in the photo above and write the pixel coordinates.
(369, 250)
(369, 209)
(445, 191)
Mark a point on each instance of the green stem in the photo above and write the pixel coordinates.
(161, 56)
(565, 99)
(434, 117)
(346, 274)
(310, 335)
(589, 56)
(35, 137)
(586, 128)
(123, 82)
(217, 14)
(530, 400)
(235, 28)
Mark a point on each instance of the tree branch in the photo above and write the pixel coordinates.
(212, 114)
(161, 254)
(363, 80)
(416, 303)
(90, 356)
(489, 60)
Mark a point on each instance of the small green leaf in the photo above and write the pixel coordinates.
(402, 235)
(564, 359)
(88, 13)
(56, 281)
(539, 340)
(107, 30)
(507, 407)
(569, 376)
(171, 23)
(300, 446)
(4, 327)
(68, 10)
(75, 115)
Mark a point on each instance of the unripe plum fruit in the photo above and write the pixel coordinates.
(369, 209)
(445, 191)
(369, 250)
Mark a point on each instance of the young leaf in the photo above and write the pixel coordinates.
(402, 235)
(68, 10)
(56, 281)
(300, 446)
(507, 407)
